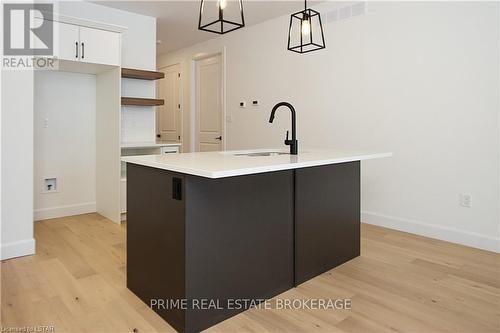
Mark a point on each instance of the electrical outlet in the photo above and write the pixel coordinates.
(465, 200)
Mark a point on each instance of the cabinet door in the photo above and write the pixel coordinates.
(99, 46)
(66, 37)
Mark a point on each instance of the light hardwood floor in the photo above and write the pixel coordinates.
(400, 283)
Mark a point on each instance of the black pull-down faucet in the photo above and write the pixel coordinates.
(292, 143)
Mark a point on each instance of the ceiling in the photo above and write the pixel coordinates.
(177, 21)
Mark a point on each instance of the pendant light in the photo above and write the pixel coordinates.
(305, 33)
(221, 16)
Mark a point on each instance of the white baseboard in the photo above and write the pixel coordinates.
(62, 211)
(472, 239)
(17, 249)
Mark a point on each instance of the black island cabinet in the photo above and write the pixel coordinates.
(201, 250)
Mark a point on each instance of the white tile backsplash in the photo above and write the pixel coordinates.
(138, 88)
(138, 124)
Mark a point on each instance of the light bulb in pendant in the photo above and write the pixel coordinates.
(222, 4)
(306, 27)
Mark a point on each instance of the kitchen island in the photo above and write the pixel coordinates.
(207, 232)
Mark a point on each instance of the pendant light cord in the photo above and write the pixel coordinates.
(305, 5)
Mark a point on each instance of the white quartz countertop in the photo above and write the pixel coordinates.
(149, 144)
(235, 163)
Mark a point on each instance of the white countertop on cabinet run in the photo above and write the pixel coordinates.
(232, 163)
(155, 144)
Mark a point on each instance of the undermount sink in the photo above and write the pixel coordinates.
(264, 153)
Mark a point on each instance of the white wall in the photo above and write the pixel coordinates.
(65, 142)
(17, 164)
(420, 79)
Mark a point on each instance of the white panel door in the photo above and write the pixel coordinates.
(99, 46)
(209, 104)
(169, 114)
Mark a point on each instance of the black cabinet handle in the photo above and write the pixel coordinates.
(176, 188)
(76, 50)
(218, 138)
(83, 50)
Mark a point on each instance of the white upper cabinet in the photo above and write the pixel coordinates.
(67, 47)
(85, 44)
(66, 40)
(99, 46)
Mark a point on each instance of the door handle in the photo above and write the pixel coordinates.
(76, 50)
(83, 50)
(218, 138)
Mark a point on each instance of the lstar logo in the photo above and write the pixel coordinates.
(28, 29)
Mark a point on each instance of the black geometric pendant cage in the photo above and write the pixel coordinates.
(305, 33)
(221, 16)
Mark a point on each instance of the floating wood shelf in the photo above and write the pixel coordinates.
(142, 101)
(141, 74)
